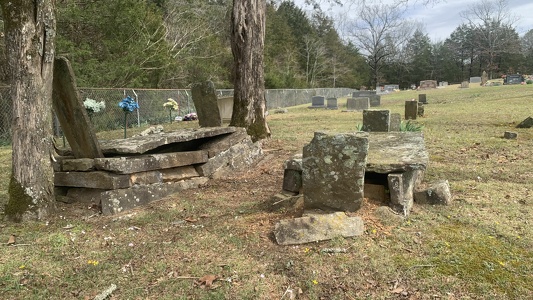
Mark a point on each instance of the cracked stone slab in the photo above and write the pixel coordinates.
(317, 227)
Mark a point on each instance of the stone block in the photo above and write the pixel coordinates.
(357, 104)
(221, 143)
(142, 163)
(376, 120)
(331, 103)
(318, 227)
(79, 164)
(95, 180)
(86, 195)
(375, 192)
(510, 135)
(292, 180)
(437, 193)
(375, 100)
(179, 173)
(422, 98)
(401, 189)
(333, 171)
(120, 200)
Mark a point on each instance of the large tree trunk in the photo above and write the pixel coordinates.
(248, 40)
(30, 34)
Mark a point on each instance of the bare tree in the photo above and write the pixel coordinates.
(378, 31)
(247, 44)
(30, 35)
(315, 53)
(492, 22)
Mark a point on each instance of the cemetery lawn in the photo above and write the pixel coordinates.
(479, 247)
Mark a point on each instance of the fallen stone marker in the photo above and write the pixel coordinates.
(437, 193)
(318, 227)
(527, 123)
(510, 135)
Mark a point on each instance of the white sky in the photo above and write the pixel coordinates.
(441, 19)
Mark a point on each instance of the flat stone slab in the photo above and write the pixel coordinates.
(134, 164)
(396, 152)
(116, 201)
(95, 180)
(317, 227)
(142, 144)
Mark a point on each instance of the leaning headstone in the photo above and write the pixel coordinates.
(395, 122)
(437, 193)
(357, 104)
(71, 112)
(475, 79)
(332, 103)
(317, 102)
(464, 84)
(376, 120)
(411, 109)
(422, 98)
(206, 103)
(334, 171)
(527, 123)
(317, 227)
(510, 135)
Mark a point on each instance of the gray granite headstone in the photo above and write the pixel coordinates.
(332, 103)
(395, 122)
(334, 171)
(475, 79)
(375, 101)
(376, 120)
(206, 104)
(357, 104)
(411, 109)
(318, 102)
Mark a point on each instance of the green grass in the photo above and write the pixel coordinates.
(479, 247)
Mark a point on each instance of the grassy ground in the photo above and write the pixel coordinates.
(479, 247)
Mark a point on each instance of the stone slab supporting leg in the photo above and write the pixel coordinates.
(402, 187)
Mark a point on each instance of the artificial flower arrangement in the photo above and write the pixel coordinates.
(92, 106)
(171, 105)
(128, 105)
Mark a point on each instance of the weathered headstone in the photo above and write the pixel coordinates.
(375, 101)
(332, 103)
(484, 78)
(317, 102)
(334, 171)
(465, 84)
(411, 109)
(395, 122)
(443, 83)
(428, 84)
(475, 79)
(527, 123)
(206, 103)
(391, 87)
(71, 113)
(357, 104)
(363, 94)
(422, 98)
(376, 120)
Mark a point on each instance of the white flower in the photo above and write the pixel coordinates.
(93, 106)
(172, 104)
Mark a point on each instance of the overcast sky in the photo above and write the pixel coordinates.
(441, 19)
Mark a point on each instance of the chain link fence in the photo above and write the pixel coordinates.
(151, 110)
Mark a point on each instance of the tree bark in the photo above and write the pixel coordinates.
(248, 40)
(30, 34)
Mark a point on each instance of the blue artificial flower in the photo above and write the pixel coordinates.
(128, 104)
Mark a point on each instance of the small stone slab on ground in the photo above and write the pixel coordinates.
(527, 123)
(437, 193)
(317, 227)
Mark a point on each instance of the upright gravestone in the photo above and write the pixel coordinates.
(465, 84)
(395, 122)
(332, 103)
(411, 109)
(334, 171)
(475, 79)
(375, 100)
(206, 104)
(357, 104)
(363, 93)
(422, 98)
(376, 120)
(484, 78)
(317, 102)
